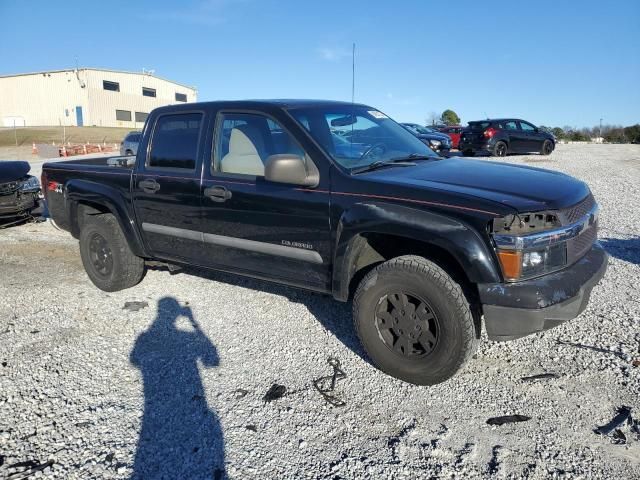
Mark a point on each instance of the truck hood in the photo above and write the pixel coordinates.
(527, 189)
(12, 171)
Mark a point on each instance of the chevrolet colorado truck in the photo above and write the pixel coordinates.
(340, 199)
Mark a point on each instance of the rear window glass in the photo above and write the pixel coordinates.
(479, 125)
(175, 141)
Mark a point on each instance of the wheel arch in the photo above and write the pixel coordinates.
(363, 242)
(85, 198)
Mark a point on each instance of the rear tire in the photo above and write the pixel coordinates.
(414, 320)
(500, 149)
(547, 147)
(106, 256)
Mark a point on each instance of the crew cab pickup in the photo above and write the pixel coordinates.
(340, 199)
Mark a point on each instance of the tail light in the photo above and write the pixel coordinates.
(490, 132)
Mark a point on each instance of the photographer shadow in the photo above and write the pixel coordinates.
(180, 436)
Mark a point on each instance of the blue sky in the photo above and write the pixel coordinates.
(551, 62)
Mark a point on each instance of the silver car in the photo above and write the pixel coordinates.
(129, 146)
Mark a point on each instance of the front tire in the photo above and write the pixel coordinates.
(547, 147)
(500, 149)
(414, 320)
(106, 256)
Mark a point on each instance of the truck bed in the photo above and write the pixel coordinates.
(94, 174)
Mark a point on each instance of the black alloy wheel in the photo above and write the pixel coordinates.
(101, 255)
(407, 325)
(500, 150)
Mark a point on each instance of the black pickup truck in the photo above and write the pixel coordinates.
(340, 199)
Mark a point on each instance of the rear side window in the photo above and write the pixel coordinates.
(175, 141)
(510, 125)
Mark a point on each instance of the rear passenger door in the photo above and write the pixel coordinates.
(270, 230)
(166, 186)
(517, 140)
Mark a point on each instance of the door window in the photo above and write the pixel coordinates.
(527, 127)
(175, 141)
(245, 141)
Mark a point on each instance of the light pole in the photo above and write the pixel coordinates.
(600, 134)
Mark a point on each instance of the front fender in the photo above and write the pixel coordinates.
(77, 192)
(458, 238)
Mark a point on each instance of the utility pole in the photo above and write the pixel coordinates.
(600, 135)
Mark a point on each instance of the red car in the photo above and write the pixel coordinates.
(454, 132)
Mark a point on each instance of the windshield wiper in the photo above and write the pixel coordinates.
(415, 156)
(400, 162)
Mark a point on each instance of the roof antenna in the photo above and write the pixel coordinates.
(353, 73)
(353, 94)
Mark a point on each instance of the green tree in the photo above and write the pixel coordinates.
(559, 133)
(449, 117)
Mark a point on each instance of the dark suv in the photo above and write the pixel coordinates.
(500, 137)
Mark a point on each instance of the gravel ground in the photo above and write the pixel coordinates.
(175, 389)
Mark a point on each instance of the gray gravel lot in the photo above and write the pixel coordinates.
(174, 390)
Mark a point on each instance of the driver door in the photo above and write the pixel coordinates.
(270, 230)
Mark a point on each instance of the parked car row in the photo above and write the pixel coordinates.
(497, 137)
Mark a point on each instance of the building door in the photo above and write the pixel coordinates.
(79, 121)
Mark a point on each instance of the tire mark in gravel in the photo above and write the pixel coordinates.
(494, 463)
(462, 454)
(440, 434)
(393, 442)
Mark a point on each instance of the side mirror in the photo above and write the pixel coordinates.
(291, 169)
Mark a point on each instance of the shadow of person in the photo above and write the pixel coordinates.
(180, 437)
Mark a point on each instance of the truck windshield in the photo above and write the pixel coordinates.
(356, 136)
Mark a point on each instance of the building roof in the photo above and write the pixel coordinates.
(97, 70)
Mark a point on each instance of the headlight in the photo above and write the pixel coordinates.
(31, 184)
(435, 143)
(520, 265)
(528, 244)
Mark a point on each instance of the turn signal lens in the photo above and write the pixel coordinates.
(511, 263)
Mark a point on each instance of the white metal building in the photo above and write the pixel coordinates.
(86, 97)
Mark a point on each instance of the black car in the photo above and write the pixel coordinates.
(19, 193)
(438, 142)
(430, 250)
(500, 137)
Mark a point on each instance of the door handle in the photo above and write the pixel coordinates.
(217, 193)
(149, 186)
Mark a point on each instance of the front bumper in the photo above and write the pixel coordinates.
(17, 204)
(514, 310)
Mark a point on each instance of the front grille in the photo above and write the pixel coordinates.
(578, 246)
(573, 214)
(8, 188)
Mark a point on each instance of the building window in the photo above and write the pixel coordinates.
(113, 86)
(148, 92)
(141, 117)
(181, 97)
(123, 115)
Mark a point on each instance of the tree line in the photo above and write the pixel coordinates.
(609, 133)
